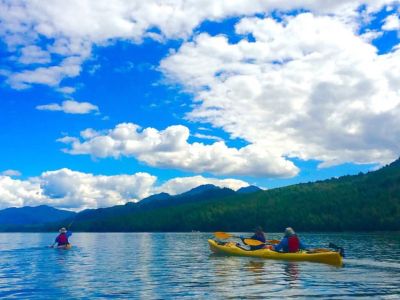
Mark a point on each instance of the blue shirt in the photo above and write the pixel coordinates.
(284, 245)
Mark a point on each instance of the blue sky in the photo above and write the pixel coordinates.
(103, 105)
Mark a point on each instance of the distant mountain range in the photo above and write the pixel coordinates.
(360, 202)
(36, 217)
(33, 215)
(363, 202)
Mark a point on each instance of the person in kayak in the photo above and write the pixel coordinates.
(258, 235)
(62, 238)
(290, 242)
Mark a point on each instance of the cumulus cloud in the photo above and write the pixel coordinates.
(392, 22)
(183, 184)
(70, 107)
(52, 75)
(207, 137)
(11, 173)
(74, 190)
(34, 55)
(306, 87)
(17, 193)
(66, 90)
(169, 148)
(70, 29)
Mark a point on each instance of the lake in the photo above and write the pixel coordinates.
(180, 265)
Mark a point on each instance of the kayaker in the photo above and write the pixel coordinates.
(62, 238)
(290, 242)
(258, 235)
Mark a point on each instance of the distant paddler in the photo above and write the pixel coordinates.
(62, 239)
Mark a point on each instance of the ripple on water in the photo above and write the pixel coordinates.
(162, 266)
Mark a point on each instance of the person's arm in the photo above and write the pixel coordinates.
(69, 233)
(55, 242)
(302, 246)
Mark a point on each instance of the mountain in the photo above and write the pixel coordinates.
(360, 202)
(199, 194)
(32, 215)
(200, 189)
(248, 189)
(206, 192)
(153, 199)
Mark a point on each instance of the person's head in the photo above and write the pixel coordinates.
(63, 230)
(258, 229)
(289, 231)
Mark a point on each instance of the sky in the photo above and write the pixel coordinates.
(106, 102)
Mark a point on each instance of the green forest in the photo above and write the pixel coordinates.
(362, 202)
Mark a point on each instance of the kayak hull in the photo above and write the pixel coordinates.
(65, 247)
(328, 257)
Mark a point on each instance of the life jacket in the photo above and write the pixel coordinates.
(293, 243)
(62, 239)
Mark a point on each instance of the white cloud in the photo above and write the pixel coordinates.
(307, 87)
(70, 107)
(34, 55)
(66, 188)
(169, 149)
(74, 190)
(183, 184)
(17, 193)
(66, 90)
(52, 76)
(207, 137)
(11, 173)
(70, 29)
(392, 22)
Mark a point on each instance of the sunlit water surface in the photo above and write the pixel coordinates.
(180, 265)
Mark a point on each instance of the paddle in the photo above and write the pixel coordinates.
(259, 243)
(250, 242)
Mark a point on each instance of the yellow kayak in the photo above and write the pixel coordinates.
(65, 247)
(327, 257)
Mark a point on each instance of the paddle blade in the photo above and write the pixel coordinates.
(222, 235)
(252, 242)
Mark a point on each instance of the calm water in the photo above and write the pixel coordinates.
(179, 265)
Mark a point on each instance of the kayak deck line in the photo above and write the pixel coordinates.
(328, 257)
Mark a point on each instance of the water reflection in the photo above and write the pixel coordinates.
(256, 266)
(292, 271)
(173, 265)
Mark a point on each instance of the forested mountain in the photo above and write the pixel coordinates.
(199, 194)
(361, 202)
(32, 215)
(248, 189)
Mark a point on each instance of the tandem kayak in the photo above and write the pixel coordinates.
(327, 257)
